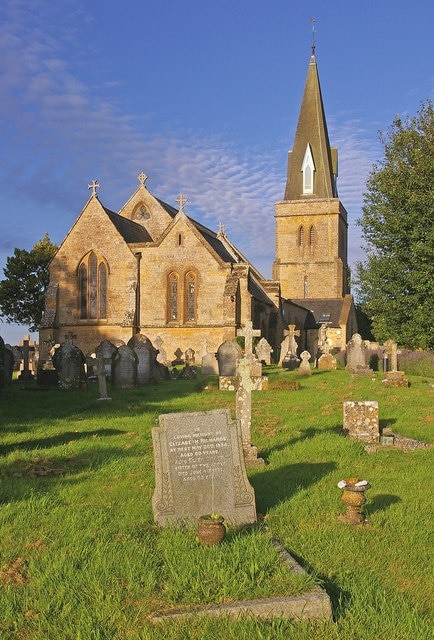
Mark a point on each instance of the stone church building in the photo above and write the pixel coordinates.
(151, 269)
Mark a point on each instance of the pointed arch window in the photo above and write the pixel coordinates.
(312, 236)
(173, 297)
(300, 236)
(190, 296)
(92, 278)
(308, 170)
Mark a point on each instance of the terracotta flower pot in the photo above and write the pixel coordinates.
(211, 530)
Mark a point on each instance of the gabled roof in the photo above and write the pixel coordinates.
(312, 131)
(130, 231)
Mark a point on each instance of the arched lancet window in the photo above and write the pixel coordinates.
(190, 296)
(172, 297)
(92, 277)
(308, 170)
(305, 287)
(300, 235)
(312, 235)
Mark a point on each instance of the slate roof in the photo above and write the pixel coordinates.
(322, 310)
(312, 130)
(130, 231)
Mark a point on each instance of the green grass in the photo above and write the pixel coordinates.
(81, 558)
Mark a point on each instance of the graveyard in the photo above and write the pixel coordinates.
(88, 549)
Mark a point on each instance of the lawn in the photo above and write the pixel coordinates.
(82, 559)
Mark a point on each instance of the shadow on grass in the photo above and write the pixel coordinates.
(303, 434)
(381, 503)
(38, 474)
(277, 485)
(62, 438)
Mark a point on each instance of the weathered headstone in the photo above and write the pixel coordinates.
(105, 350)
(124, 368)
(146, 354)
(304, 368)
(102, 379)
(245, 385)
(189, 356)
(209, 365)
(25, 368)
(288, 352)
(248, 333)
(327, 362)
(9, 361)
(178, 357)
(356, 356)
(200, 469)
(361, 421)
(263, 351)
(227, 356)
(69, 362)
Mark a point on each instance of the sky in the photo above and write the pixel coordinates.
(203, 96)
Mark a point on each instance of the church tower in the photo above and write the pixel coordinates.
(311, 222)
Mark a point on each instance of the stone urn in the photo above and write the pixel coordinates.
(211, 530)
(353, 496)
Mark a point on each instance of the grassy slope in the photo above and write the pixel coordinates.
(80, 556)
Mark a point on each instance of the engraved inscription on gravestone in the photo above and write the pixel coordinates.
(200, 469)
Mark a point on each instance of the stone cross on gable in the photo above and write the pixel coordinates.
(222, 229)
(181, 200)
(94, 185)
(248, 333)
(142, 177)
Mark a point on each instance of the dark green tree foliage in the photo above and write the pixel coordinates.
(23, 288)
(395, 285)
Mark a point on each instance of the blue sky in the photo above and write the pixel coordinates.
(203, 97)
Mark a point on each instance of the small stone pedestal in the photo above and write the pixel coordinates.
(353, 496)
(395, 379)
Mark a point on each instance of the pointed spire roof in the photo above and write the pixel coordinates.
(312, 141)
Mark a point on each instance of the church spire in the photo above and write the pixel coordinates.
(312, 164)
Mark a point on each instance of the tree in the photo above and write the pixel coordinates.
(395, 284)
(26, 278)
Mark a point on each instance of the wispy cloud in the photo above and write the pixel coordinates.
(64, 131)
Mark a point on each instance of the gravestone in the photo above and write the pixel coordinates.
(124, 368)
(9, 361)
(248, 333)
(289, 347)
(326, 362)
(105, 351)
(200, 469)
(25, 367)
(102, 379)
(178, 357)
(246, 382)
(209, 365)
(69, 362)
(146, 354)
(304, 368)
(227, 356)
(393, 377)
(189, 357)
(361, 421)
(263, 351)
(356, 356)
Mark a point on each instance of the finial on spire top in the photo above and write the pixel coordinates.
(312, 20)
(94, 185)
